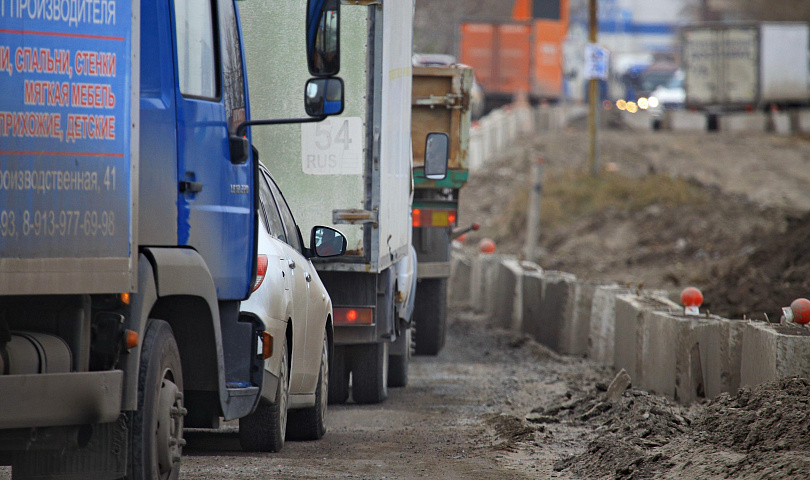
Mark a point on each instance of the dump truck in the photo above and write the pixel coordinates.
(440, 104)
(127, 232)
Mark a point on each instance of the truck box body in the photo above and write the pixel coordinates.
(512, 57)
(441, 103)
(500, 53)
(730, 66)
(351, 170)
(68, 152)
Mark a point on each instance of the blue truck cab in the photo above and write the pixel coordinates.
(128, 229)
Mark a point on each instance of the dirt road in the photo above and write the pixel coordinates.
(459, 418)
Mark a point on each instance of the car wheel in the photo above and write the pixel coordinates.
(339, 376)
(310, 423)
(430, 314)
(370, 372)
(264, 430)
(157, 426)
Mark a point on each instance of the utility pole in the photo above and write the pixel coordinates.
(593, 93)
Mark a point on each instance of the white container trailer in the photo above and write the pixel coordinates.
(734, 66)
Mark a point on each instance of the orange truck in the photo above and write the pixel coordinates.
(523, 55)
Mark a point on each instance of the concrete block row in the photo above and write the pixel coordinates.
(521, 297)
(642, 332)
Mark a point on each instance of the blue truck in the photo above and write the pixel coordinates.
(128, 228)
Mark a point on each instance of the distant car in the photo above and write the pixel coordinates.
(671, 94)
(296, 309)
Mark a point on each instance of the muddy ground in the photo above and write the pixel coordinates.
(494, 406)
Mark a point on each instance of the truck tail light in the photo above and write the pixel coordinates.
(354, 316)
(261, 271)
(433, 217)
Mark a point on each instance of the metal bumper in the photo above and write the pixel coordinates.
(57, 399)
(433, 270)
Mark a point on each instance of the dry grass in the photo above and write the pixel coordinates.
(575, 194)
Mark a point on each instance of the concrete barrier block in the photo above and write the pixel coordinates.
(603, 323)
(686, 121)
(688, 357)
(525, 120)
(771, 352)
(781, 123)
(602, 320)
(477, 151)
(525, 291)
(582, 322)
(482, 281)
(460, 279)
(803, 120)
(726, 365)
(511, 125)
(633, 314)
(743, 122)
(550, 317)
(543, 118)
(507, 294)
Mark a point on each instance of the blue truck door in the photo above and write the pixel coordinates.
(215, 196)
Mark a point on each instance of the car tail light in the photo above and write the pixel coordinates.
(354, 316)
(433, 217)
(261, 271)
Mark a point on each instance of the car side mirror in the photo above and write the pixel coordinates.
(437, 153)
(323, 37)
(327, 242)
(324, 97)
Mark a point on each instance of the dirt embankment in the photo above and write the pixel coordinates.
(759, 434)
(721, 212)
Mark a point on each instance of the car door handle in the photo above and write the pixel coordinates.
(291, 263)
(308, 277)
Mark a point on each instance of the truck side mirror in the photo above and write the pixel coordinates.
(323, 97)
(240, 147)
(327, 242)
(437, 153)
(323, 37)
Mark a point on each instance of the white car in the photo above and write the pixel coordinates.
(291, 300)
